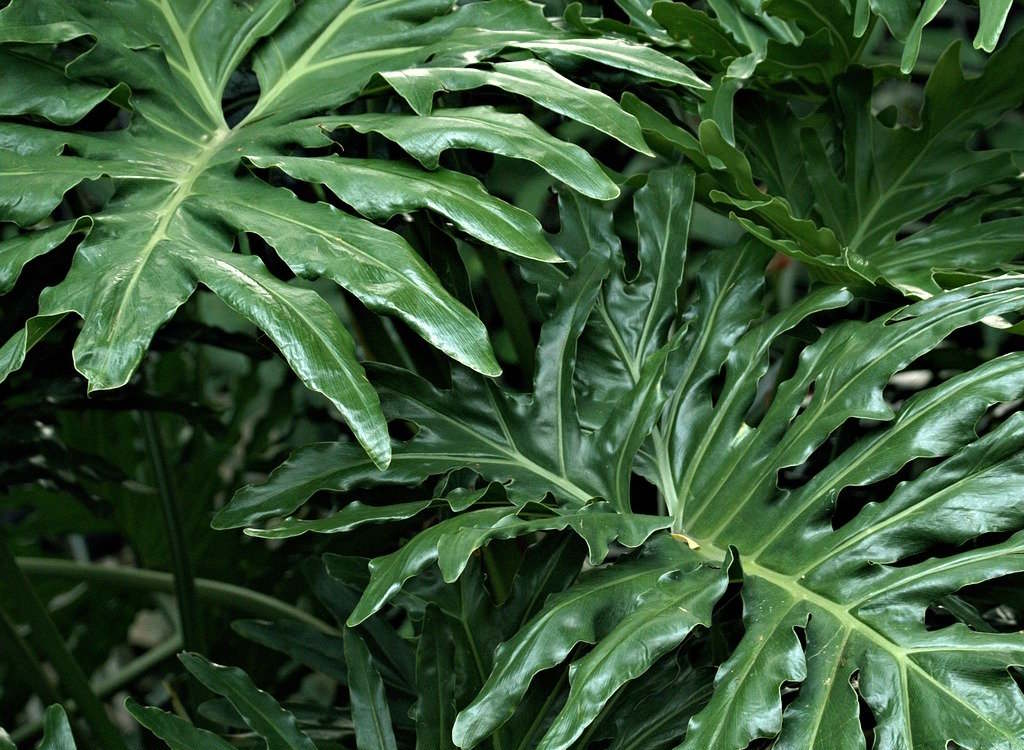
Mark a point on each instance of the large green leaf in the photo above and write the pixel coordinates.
(801, 506)
(834, 601)
(860, 608)
(864, 606)
(631, 610)
(533, 444)
(880, 192)
(828, 181)
(180, 196)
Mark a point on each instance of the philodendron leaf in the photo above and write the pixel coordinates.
(868, 196)
(261, 713)
(634, 611)
(891, 504)
(534, 445)
(532, 79)
(599, 525)
(288, 314)
(749, 497)
(656, 707)
(16, 252)
(451, 543)
(51, 96)
(907, 21)
(858, 194)
(662, 619)
(177, 733)
(617, 53)
(435, 683)
(388, 573)
(352, 516)
(56, 730)
(370, 713)
(181, 194)
(426, 137)
(380, 189)
(13, 352)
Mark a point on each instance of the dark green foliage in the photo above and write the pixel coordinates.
(671, 354)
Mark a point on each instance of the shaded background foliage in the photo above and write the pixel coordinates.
(213, 406)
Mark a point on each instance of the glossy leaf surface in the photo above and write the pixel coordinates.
(181, 190)
(834, 609)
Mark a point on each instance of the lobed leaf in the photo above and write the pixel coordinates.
(179, 197)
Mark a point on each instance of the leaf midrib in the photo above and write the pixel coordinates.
(166, 211)
(209, 149)
(210, 103)
(879, 444)
(302, 65)
(511, 453)
(851, 622)
(884, 196)
(924, 325)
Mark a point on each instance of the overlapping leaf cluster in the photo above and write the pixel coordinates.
(629, 383)
(183, 182)
(729, 509)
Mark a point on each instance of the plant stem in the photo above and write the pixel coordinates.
(109, 685)
(49, 641)
(237, 597)
(184, 583)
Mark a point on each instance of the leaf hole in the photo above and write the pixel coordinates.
(852, 500)
(240, 94)
(999, 600)
(1017, 675)
(868, 721)
(995, 415)
(727, 629)
(940, 550)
